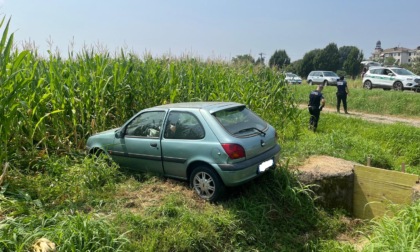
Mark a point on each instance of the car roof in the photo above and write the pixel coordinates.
(206, 105)
(382, 67)
(365, 62)
(321, 71)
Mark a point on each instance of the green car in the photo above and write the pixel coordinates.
(212, 145)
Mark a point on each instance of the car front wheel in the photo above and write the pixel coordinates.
(325, 83)
(367, 85)
(398, 86)
(310, 83)
(207, 183)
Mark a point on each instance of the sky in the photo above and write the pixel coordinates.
(216, 29)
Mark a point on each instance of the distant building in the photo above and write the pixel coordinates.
(401, 55)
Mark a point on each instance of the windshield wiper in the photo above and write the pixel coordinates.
(248, 129)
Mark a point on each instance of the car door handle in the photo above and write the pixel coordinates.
(153, 144)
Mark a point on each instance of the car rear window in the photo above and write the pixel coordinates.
(240, 121)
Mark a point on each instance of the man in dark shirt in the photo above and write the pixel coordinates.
(342, 91)
(315, 105)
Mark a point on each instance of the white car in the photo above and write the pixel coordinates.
(368, 64)
(391, 78)
(292, 78)
(325, 78)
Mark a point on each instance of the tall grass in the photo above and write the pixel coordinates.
(70, 232)
(54, 104)
(376, 101)
(398, 233)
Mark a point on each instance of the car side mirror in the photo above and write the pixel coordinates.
(119, 133)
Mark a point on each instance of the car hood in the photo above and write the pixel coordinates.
(107, 132)
(101, 139)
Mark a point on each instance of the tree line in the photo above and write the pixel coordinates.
(344, 61)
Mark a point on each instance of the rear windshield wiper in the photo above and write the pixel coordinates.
(248, 129)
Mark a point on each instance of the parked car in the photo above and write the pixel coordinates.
(212, 145)
(292, 78)
(325, 78)
(368, 64)
(391, 78)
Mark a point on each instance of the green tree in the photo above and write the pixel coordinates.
(328, 58)
(279, 59)
(389, 61)
(415, 65)
(307, 64)
(260, 61)
(344, 52)
(243, 59)
(351, 64)
(294, 67)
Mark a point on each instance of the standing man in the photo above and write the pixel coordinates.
(315, 105)
(342, 92)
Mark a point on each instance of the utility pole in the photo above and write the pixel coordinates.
(261, 56)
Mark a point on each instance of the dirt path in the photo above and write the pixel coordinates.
(375, 118)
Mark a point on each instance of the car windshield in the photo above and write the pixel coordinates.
(402, 71)
(240, 121)
(330, 74)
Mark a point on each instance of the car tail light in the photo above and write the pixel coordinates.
(234, 151)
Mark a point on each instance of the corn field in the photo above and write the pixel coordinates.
(51, 105)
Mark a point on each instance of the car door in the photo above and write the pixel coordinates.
(140, 148)
(388, 78)
(318, 77)
(375, 76)
(183, 139)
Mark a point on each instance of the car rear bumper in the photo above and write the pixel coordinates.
(239, 173)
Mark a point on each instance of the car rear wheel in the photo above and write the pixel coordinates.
(398, 86)
(367, 85)
(207, 183)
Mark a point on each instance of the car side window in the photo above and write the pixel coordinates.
(183, 125)
(147, 124)
(386, 72)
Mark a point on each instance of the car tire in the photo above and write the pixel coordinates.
(417, 90)
(398, 86)
(309, 82)
(367, 85)
(100, 154)
(325, 83)
(207, 183)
